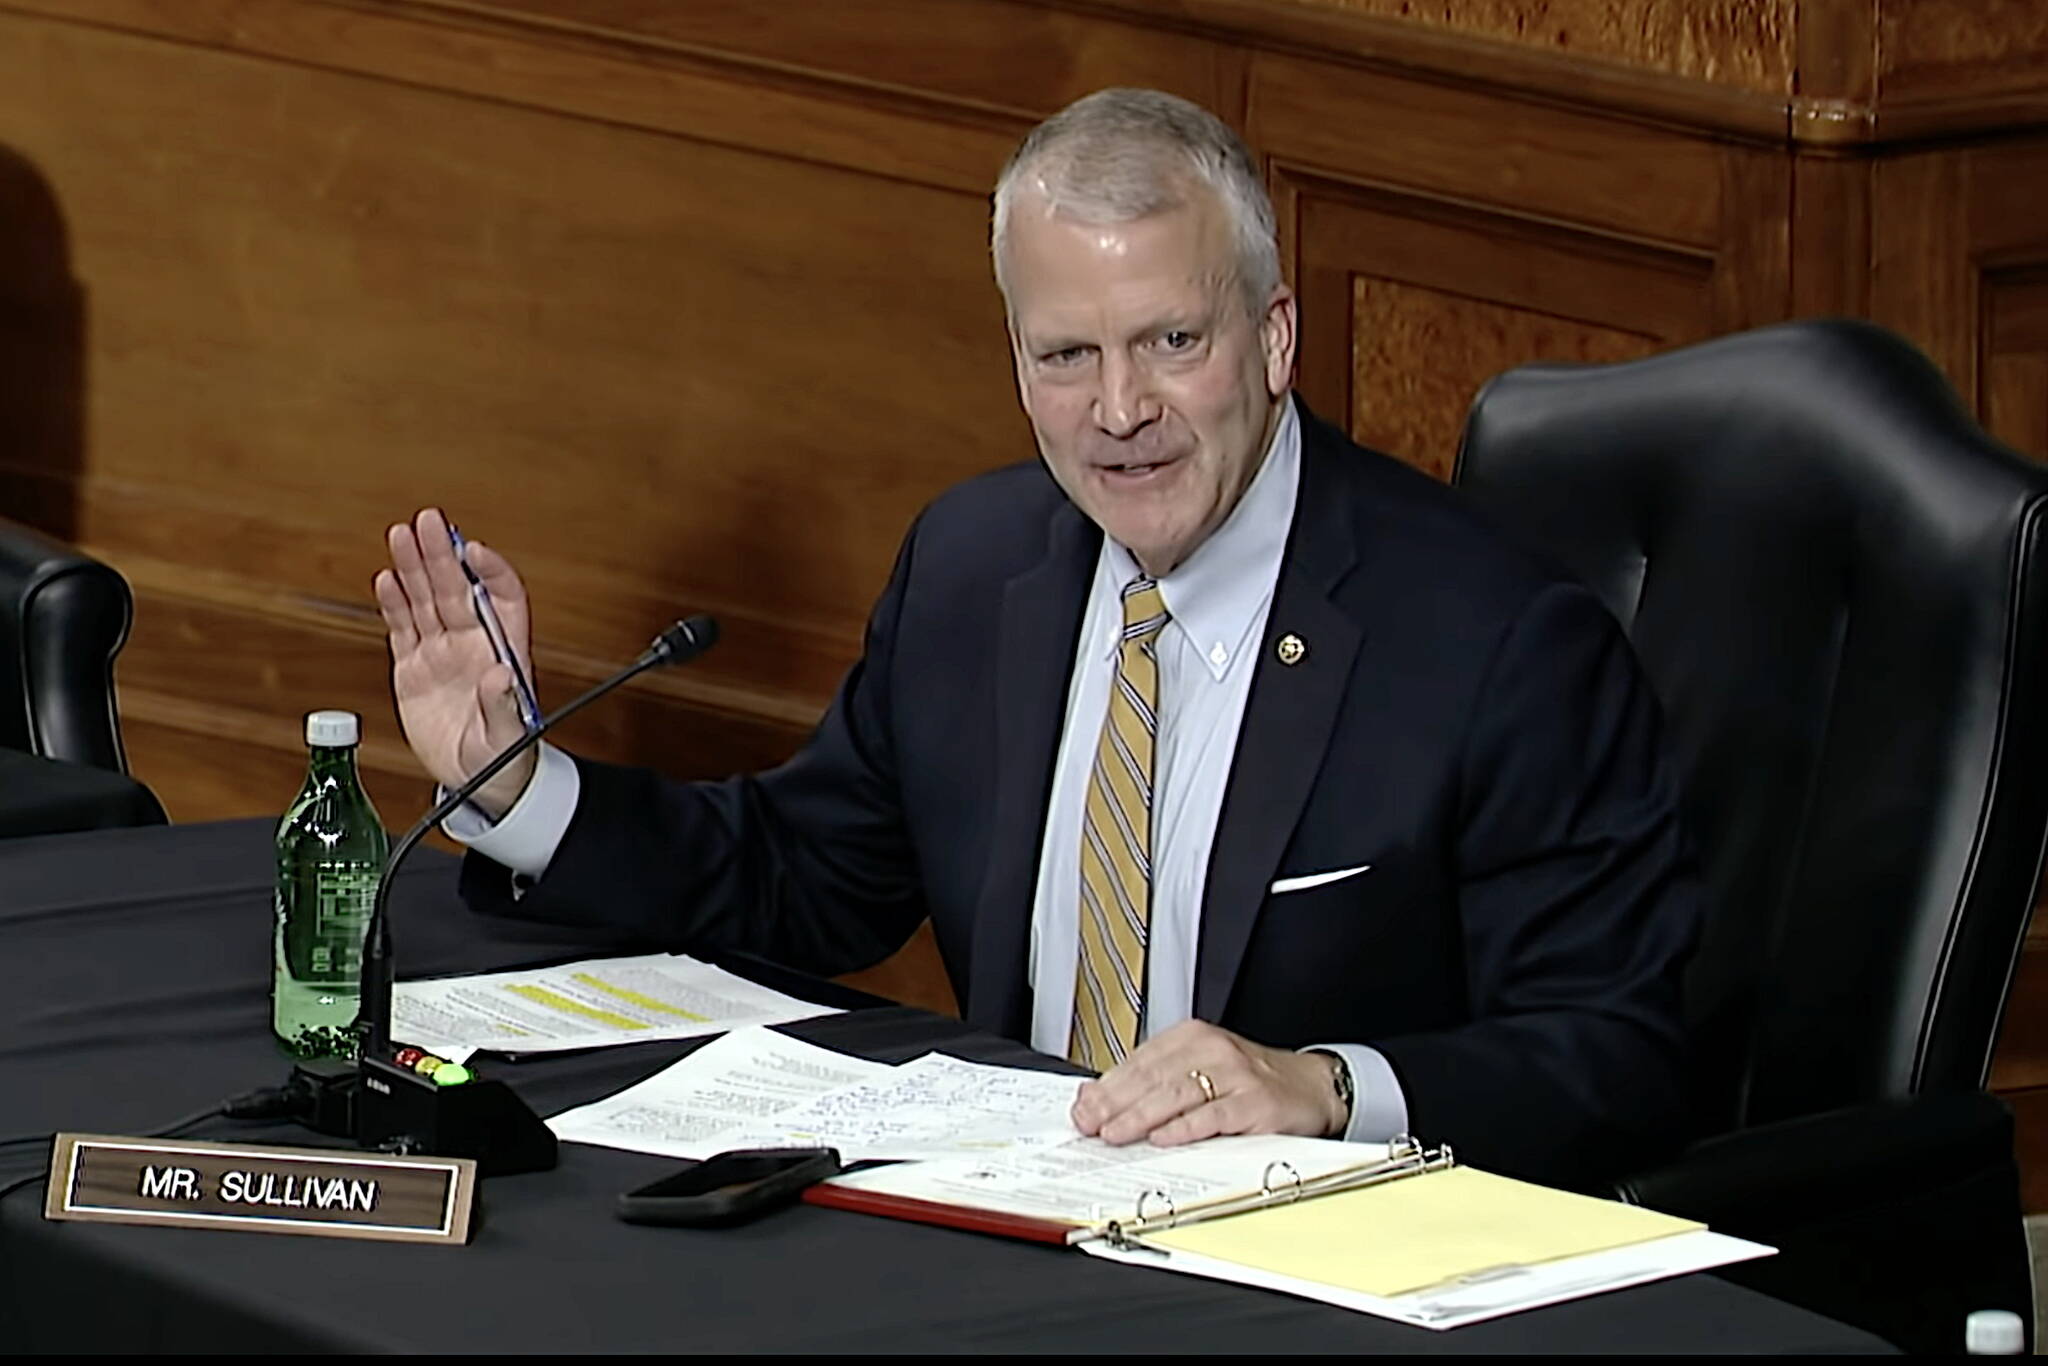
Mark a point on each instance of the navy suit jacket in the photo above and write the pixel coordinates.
(1465, 719)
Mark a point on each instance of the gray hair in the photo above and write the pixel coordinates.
(1121, 154)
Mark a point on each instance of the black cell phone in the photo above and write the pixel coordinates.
(729, 1188)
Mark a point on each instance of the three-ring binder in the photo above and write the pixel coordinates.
(1152, 1210)
(1405, 1158)
(1435, 1254)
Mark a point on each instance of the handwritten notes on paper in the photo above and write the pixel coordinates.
(937, 1106)
(756, 1088)
(739, 1083)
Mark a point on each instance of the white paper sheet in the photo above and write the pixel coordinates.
(738, 1083)
(586, 1005)
(936, 1106)
(1499, 1293)
(1085, 1179)
(756, 1088)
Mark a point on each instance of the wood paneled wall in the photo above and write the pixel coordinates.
(685, 305)
(1747, 44)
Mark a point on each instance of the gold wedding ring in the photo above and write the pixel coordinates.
(1208, 1087)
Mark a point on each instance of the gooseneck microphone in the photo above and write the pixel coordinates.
(679, 644)
(397, 1107)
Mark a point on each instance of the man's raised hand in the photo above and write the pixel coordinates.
(455, 700)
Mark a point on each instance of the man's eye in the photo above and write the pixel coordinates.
(1176, 340)
(1066, 355)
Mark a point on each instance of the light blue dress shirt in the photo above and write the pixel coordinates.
(1218, 598)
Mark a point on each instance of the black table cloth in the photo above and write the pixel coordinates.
(133, 990)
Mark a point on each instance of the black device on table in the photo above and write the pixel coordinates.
(729, 1188)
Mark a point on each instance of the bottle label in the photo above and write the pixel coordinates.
(343, 897)
(323, 918)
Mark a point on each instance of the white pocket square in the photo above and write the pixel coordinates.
(1308, 880)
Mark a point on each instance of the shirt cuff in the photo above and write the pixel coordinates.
(1379, 1107)
(525, 838)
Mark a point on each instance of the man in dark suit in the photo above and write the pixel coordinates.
(1227, 758)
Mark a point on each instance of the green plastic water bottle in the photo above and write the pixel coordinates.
(330, 857)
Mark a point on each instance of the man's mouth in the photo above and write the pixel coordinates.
(1134, 469)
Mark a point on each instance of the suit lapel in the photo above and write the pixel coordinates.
(1041, 620)
(1288, 718)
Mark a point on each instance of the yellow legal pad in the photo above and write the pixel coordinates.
(1405, 1235)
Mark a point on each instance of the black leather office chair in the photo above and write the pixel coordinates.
(1836, 583)
(63, 618)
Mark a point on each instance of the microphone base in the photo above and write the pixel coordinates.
(396, 1109)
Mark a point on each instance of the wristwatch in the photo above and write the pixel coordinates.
(1340, 1081)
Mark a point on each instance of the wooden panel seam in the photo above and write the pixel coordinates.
(723, 64)
(1364, 41)
(1378, 43)
(283, 733)
(1833, 118)
(1457, 142)
(612, 86)
(362, 625)
(1451, 210)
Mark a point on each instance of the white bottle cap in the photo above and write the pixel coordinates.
(333, 729)
(1994, 1333)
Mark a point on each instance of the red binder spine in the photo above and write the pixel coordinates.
(932, 1212)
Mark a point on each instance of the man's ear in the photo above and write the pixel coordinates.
(1277, 340)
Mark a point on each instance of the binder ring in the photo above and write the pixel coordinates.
(1171, 1216)
(1266, 1180)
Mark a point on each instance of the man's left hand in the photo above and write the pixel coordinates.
(1157, 1092)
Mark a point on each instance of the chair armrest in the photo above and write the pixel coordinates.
(63, 618)
(1816, 1168)
(1900, 1218)
(49, 797)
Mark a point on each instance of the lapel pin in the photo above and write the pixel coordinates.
(1291, 648)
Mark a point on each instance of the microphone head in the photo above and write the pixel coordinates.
(685, 640)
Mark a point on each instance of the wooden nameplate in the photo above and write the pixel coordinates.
(324, 1192)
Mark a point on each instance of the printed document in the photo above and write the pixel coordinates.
(586, 1005)
(740, 1082)
(756, 1088)
(1084, 1180)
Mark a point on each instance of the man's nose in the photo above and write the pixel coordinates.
(1125, 403)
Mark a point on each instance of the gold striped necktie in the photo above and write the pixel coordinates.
(1116, 846)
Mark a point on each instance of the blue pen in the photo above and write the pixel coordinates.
(501, 644)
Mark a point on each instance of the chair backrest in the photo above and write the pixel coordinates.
(63, 618)
(1835, 583)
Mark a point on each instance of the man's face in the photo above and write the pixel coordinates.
(1151, 385)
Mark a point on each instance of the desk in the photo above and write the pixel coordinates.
(133, 974)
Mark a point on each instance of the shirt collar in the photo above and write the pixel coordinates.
(1216, 593)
